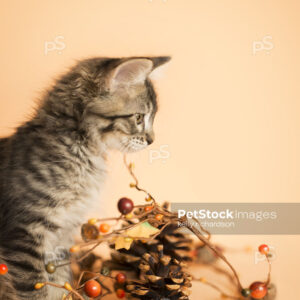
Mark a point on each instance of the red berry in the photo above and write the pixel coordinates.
(120, 293)
(3, 269)
(92, 288)
(125, 206)
(258, 290)
(121, 278)
(264, 249)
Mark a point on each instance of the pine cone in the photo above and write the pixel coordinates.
(123, 262)
(162, 277)
(176, 244)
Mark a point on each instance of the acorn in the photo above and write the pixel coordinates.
(89, 232)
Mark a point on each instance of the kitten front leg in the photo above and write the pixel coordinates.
(25, 254)
(24, 272)
(56, 252)
(62, 276)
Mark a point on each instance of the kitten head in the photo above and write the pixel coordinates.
(123, 105)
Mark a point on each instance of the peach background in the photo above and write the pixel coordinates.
(229, 117)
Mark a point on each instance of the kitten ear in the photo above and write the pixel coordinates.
(159, 67)
(130, 72)
(159, 60)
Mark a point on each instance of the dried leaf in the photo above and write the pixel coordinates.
(143, 230)
(122, 242)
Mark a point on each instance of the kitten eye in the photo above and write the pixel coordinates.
(139, 118)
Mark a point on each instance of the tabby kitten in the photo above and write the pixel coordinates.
(52, 168)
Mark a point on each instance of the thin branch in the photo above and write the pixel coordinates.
(223, 294)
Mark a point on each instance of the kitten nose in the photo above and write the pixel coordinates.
(149, 139)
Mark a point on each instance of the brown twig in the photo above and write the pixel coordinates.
(269, 272)
(190, 227)
(223, 294)
(169, 218)
(216, 251)
(63, 287)
(130, 167)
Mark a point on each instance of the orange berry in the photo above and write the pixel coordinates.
(258, 290)
(148, 208)
(159, 217)
(92, 288)
(39, 285)
(74, 249)
(104, 228)
(264, 249)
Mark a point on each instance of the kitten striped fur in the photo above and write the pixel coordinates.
(53, 166)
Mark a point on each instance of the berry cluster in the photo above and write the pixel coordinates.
(146, 228)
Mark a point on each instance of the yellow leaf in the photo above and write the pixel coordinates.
(122, 242)
(143, 230)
